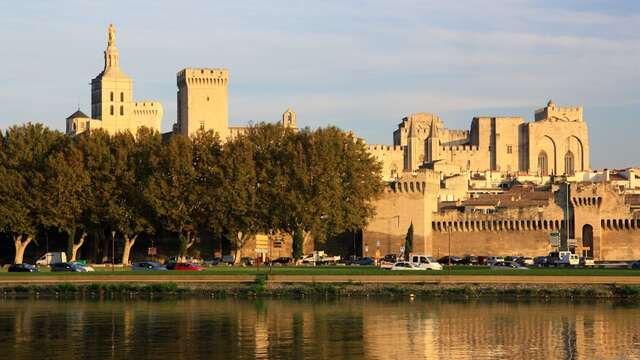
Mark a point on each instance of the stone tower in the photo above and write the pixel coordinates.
(289, 119)
(203, 101)
(112, 89)
(433, 143)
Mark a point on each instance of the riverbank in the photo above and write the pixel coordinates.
(268, 289)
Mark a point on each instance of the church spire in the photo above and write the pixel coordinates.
(111, 55)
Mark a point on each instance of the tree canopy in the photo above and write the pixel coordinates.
(310, 184)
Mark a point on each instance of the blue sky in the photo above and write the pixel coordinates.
(359, 65)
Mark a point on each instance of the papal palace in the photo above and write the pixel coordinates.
(506, 186)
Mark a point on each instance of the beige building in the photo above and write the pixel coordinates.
(556, 143)
(502, 188)
(112, 106)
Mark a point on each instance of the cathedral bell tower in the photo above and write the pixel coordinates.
(112, 89)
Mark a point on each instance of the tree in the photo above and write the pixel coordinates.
(319, 183)
(128, 213)
(25, 150)
(171, 191)
(408, 242)
(64, 194)
(98, 154)
(240, 216)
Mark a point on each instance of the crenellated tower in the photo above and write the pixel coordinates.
(203, 101)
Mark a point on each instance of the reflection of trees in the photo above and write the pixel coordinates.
(237, 329)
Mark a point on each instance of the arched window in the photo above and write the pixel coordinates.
(111, 110)
(111, 97)
(543, 164)
(121, 110)
(121, 97)
(569, 168)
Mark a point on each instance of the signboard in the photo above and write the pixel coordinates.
(554, 238)
(277, 244)
(262, 241)
(152, 251)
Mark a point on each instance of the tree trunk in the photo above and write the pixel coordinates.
(241, 239)
(128, 244)
(20, 247)
(75, 247)
(106, 247)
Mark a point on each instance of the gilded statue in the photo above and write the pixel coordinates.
(112, 35)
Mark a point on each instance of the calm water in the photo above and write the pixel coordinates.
(283, 329)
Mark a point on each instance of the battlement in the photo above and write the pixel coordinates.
(551, 112)
(212, 77)
(147, 108)
(460, 148)
(385, 148)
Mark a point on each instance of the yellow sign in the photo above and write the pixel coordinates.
(262, 241)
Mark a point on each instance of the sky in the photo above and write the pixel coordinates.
(358, 65)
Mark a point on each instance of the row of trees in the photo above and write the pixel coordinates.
(270, 180)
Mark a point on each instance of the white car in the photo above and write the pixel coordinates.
(425, 262)
(404, 265)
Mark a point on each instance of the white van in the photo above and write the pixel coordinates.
(425, 262)
(52, 258)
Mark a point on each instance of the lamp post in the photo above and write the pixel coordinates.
(113, 250)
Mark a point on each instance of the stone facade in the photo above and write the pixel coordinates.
(502, 188)
(112, 106)
(556, 143)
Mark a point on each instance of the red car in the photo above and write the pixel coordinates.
(187, 267)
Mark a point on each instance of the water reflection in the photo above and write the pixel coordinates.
(279, 329)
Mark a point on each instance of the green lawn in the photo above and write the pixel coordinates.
(349, 270)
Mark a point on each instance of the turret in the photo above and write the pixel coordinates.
(289, 119)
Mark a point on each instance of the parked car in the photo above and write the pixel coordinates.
(426, 262)
(453, 260)
(470, 260)
(508, 265)
(635, 265)
(540, 261)
(587, 262)
(246, 261)
(405, 265)
(22, 268)
(213, 262)
(80, 267)
(147, 265)
(388, 261)
(525, 261)
(365, 261)
(228, 259)
(562, 258)
(494, 259)
(62, 267)
(283, 260)
(187, 267)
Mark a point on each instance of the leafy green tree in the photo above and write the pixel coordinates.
(172, 193)
(99, 162)
(128, 213)
(64, 194)
(408, 242)
(240, 217)
(25, 150)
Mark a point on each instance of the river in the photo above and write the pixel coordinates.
(318, 329)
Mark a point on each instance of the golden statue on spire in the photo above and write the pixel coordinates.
(112, 35)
